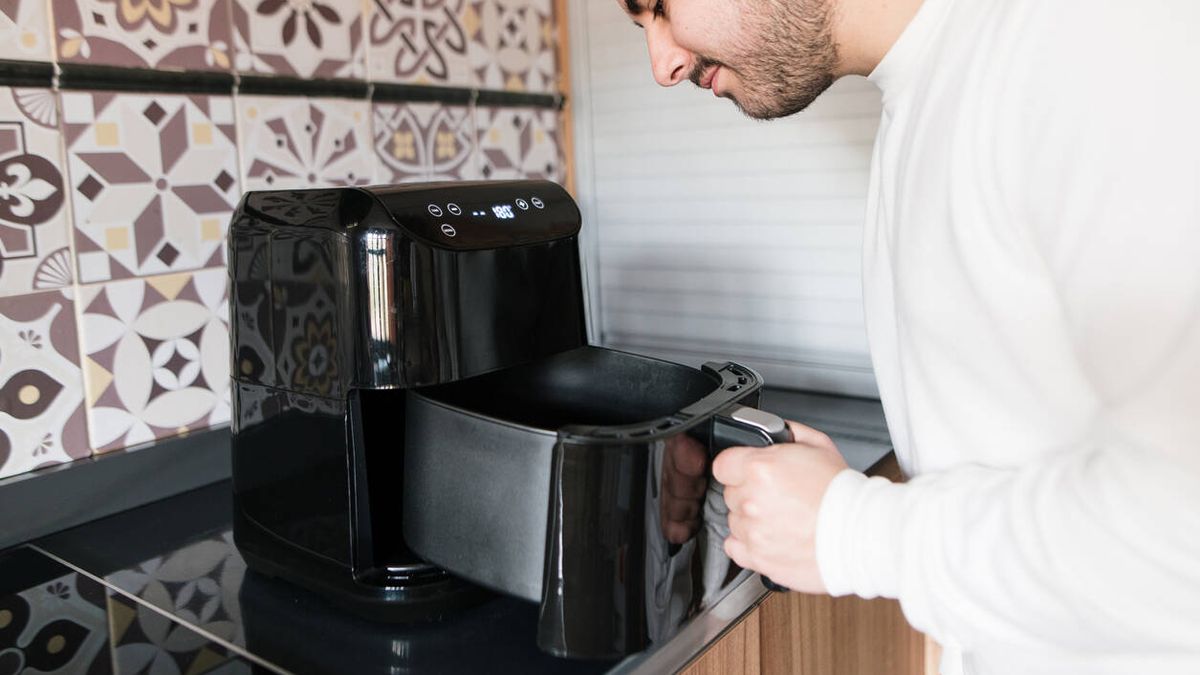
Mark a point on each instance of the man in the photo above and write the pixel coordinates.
(1032, 290)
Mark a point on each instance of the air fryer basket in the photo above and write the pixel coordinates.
(541, 481)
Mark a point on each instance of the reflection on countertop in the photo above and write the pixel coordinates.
(54, 619)
(178, 556)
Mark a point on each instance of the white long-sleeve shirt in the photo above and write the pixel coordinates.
(1032, 281)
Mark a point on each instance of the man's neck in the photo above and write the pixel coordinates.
(865, 31)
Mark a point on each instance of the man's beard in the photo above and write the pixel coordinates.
(785, 59)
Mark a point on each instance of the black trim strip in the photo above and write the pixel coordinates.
(84, 76)
(294, 86)
(520, 100)
(417, 93)
(26, 73)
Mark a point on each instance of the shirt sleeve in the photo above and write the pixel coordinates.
(1091, 550)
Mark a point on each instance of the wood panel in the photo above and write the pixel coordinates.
(797, 634)
(808, 634)
(737, 653)
(566, 119)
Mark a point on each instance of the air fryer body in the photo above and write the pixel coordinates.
(413, 393)
(342, 300)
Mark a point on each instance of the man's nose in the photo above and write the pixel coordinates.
(668, 61)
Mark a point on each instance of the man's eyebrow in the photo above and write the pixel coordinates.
(634, 8)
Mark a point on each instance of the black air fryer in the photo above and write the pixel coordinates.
(417, 414)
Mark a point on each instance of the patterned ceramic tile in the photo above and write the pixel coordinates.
(154, 181)
(512, 44)
(298, 142)
(419, 41)
(34, 226)
(519, 143)
(198, 584)
(56, 626)
(24, 30)
(424, 141)
(192, 34)
(156, 357)
(301, 38)
(57, 622)
(144, 640)
(41, 388)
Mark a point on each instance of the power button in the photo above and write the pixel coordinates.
(448, 230)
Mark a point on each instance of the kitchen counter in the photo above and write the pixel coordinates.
(164, 582)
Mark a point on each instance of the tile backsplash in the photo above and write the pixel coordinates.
(115, 201)
(143, 33)
(153, 181)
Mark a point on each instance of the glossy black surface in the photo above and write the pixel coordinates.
(341, 299)
(637, 524)
(582, 481)
(178, 555)
(54, 619)
(490, 215)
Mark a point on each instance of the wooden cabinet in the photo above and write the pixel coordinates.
(801, 634)
(817, 635)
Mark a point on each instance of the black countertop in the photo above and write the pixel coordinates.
(162, 588)
(175, 560)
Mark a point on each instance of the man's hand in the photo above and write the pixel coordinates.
(773, 496)
(684, 481)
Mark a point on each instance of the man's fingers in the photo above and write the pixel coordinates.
(687, 456)
(682, 532)
(807, 435)
(729, 468)
(681, 486)
(680, 510)
(734, 498)
(737, 552)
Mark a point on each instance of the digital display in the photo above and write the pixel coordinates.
(504, 211)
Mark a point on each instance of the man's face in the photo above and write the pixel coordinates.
(772, 58)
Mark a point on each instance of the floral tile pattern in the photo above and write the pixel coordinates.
(192, 34)
(41, 387)
(168, 338)
(419, 42)
(144, 640)
(197, 584)
(34, 227)
(153, 181)
(24, 30)
(297, 142)
(512, 44)
(300, 38)
(519, 143)
(424, 141)
(59, 626)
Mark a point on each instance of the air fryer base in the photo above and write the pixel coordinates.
(430, 597)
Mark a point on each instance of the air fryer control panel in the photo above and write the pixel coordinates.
(468, 216)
